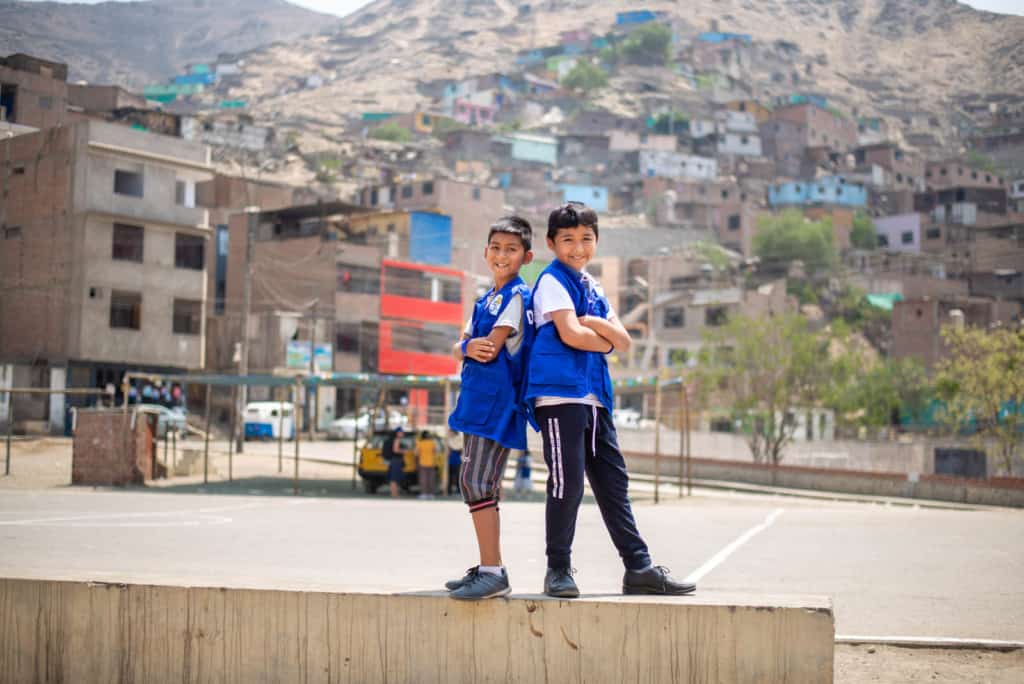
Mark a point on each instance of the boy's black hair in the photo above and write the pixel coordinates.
(513, 225)
(570, 215)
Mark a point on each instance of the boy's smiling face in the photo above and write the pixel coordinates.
(505, 255)
(574, 247)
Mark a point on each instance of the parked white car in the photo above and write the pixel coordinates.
(346, 426)
(626, 419)
(173, 419)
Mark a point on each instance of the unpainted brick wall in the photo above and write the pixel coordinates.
(108, 450)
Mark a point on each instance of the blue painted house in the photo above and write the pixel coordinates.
(634, 17)
(832, 190)
(531, 148)
(593, 196)
(430, 238)
(720, 37)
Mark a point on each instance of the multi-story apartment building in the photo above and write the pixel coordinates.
(33, 92)
(102, 261)
(472, 209)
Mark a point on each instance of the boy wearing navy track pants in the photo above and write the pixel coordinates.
(489, 411)
(569, 398)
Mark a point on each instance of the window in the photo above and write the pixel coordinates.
(346, 337)
(715, 316)
(476, 194)
(406, 191)
(432, 287)
(428, 339)
(45, 102)
(942, 171)
(188, 251)
(18, 171)
(428, 188)
(358, 279)
(426, 120)
(187, 316)
(883, 240)
(8, 99)
(933, 234)
(374, 197)
(734, 222)
(185, 194)
(128, 183)
(744, 140)
(675, 317)
(125, 310)
(127, 245)
(12, 232)
(725, 194)
(907, 237)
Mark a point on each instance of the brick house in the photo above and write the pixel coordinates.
(102, 260)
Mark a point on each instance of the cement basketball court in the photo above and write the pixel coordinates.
(891, 571)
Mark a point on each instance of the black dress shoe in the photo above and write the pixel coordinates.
(655, 580)
(558, 583)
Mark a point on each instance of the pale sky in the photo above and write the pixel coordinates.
(344, 7)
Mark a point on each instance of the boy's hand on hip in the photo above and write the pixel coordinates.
(480, 349)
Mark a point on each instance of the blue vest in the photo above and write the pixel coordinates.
(558, 370)
(489, 402)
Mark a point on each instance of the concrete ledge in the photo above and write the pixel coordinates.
(86, 632)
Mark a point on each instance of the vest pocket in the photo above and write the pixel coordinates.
(482, 389)
(558, 369)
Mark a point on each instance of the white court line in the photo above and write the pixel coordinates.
(719, 557)
(101, 516)
(931, 642)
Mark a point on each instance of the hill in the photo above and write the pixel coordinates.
(888, 57)
(135, 43)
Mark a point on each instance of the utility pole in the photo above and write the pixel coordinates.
(252, 215)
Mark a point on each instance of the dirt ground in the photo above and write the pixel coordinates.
(892, 665)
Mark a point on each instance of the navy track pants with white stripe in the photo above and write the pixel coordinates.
(578, 439)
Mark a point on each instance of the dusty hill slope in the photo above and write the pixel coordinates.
(135, 43)
(874, 53)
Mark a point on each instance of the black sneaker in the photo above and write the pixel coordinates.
(558, 583)
(452, 585)
(655, 580)
(483, 585)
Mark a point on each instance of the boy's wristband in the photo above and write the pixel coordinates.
(463, 346)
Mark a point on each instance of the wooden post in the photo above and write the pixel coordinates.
(683, 429)
(689, 454)
(280, 432)
(167, 442)
(295, 482)
(206, 440)
(657, 437)
(355, 441)
(10, 425)
(444, 451)
(174, 451)
(231, 438)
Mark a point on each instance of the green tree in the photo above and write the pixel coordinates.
(585, 76)
(863, 234)
(648, 45)
(766, 369)
(391, 131)
(789, 237)
(982, 384)
(872, 394)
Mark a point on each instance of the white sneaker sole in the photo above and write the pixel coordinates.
(501, 592)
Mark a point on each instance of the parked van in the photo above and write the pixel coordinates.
(267, 420)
